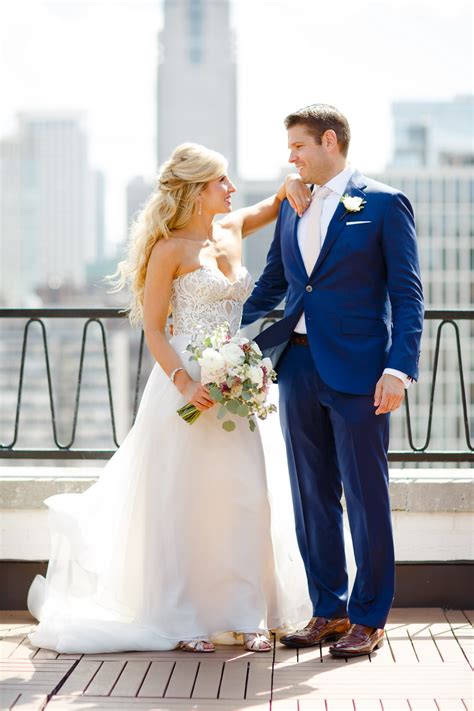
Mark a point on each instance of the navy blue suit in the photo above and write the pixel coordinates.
(363, 307)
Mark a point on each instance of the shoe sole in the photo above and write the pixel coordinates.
(341, 655)
(301, 645)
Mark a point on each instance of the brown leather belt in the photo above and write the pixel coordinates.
(299, 339)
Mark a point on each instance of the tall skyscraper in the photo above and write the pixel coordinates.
(197, 78)
(428, 134)
(49, 205)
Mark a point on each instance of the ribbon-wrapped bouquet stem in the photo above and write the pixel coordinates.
(236, 374)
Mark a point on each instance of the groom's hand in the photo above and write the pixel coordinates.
(389, 394)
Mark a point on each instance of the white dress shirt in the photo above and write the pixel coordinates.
(337, 186)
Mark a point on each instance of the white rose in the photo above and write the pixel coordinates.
(267, 364)
(212, 365)
(232, 355)
(352, 203)
(256, 348)
(256, 375)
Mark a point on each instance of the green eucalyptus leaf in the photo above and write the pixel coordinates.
(243, 411)
(228, 426)
(215, 393)
(252, 425)
(232, 406)
(221, 413)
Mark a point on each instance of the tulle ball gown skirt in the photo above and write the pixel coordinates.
(184, 536)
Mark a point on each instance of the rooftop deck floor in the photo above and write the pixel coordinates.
(426, 665)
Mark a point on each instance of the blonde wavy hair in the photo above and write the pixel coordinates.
(170, 206)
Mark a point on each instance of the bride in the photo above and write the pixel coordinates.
(177, 543)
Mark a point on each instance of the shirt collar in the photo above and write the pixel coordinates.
(339, 182)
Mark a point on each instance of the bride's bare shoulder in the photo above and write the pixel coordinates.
(167, 255)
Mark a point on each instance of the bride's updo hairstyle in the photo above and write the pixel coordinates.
(169, 207)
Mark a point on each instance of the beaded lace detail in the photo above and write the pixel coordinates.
(205, 297)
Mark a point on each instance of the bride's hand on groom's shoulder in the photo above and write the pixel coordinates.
(298, 194)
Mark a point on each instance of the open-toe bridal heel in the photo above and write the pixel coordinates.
(197, 645)
(257, 642)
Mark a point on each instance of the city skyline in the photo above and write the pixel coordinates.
(282, 65)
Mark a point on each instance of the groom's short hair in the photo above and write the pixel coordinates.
(319, 118)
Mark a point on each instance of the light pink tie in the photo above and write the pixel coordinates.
(310, 246)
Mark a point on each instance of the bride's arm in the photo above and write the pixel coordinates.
(249, 219)
(161, 270)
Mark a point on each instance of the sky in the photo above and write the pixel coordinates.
(100, 57)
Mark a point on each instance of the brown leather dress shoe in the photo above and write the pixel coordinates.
(318, 629)
(359, 640)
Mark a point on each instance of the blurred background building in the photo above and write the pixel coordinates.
(197, 78)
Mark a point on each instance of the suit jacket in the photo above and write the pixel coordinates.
(363, 301)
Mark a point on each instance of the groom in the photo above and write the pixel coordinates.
(347, 348)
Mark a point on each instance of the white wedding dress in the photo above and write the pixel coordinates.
(185, 535)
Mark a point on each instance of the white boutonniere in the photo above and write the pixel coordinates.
(352, 203)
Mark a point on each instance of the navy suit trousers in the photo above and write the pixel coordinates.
(335, 442)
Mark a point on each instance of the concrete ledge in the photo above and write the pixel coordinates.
(413, 490)
(431, 516)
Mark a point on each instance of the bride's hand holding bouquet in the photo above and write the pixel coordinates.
(234, 374)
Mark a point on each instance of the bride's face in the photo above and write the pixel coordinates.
(217, 195)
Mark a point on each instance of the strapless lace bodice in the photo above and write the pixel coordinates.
(205, 297)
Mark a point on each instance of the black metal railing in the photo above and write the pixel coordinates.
(66, 450)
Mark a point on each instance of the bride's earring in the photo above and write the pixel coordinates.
(200, 208)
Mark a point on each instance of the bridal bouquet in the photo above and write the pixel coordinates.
(236, 374)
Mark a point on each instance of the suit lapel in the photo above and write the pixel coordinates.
(294, 241)
(354, 187)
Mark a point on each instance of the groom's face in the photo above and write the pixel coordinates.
(312, 161)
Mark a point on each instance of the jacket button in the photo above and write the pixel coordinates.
(309, 288)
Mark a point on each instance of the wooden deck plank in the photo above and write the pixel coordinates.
(450, 705)
(374, 682)
(397, 704)
(469, 615)
(156, 679)
(463, 633)
(35, 663)
(301, 705)
(9, 643)
(80, 677)
(30, 702)
(64, 703)
(208, 680)
(285, 654)
(233, 680)
(400, 644)
(259, 681)
(423, 644)
(446, 642)
(182, 680)
(46, 654)
(8, 697)
(103, 682)
(340, 704)
(131, 678)
(25, 649)
(423, 705)
(364, 704)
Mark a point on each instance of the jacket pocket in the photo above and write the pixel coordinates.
(359, 326)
